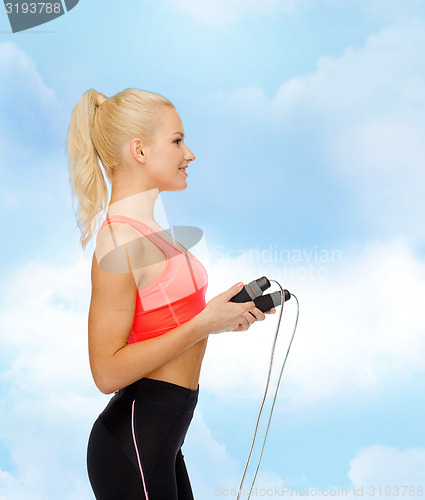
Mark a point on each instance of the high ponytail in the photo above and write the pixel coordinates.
(97, 129)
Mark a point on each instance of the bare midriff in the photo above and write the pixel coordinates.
(184, 369)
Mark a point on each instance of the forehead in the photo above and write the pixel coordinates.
(169, 120)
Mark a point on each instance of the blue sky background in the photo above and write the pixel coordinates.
(307, 120)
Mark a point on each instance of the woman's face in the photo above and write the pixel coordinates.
(167, 153)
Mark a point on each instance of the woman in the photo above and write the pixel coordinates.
(148, 321)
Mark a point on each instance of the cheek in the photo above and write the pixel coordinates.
(170, 156)
(172, 153)
(178, 154)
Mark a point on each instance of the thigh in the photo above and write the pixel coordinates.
(184, 489)
(159, 431)
(112, 475)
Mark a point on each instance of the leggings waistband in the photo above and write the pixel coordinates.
(162, 391)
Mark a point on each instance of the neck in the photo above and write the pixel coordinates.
(139, 206)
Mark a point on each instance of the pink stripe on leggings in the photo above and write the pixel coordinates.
(137, 451)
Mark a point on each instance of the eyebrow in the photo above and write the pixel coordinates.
(181, 133)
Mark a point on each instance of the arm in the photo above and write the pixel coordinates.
(113, 362)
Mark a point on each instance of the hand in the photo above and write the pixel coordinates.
(256, 315)
(222, 315)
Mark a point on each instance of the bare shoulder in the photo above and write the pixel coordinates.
(119, 249)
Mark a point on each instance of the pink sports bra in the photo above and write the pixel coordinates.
(175, 296)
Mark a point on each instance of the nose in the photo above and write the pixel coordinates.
(189, 155)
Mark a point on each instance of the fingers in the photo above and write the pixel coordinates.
(257, 314)
(247, 321)
(249, 317)
(232, 291)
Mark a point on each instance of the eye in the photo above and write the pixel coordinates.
(178, 140)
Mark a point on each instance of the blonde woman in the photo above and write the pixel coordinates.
(148, 322)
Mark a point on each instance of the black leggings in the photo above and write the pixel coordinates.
(134, 448)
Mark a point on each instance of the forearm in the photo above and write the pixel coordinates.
(134, 361)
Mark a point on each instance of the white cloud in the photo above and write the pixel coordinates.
(32, 124)
(389, 467)
(210, 465)
(48, 395)
(359, 327)
(212, 470)
(373, 467)
(361, 114)
(25, 98)
(376, 471)
(10, 488)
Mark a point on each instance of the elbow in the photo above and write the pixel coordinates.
(104, 383)
(104, 386)
(103, 374)
(105, 389)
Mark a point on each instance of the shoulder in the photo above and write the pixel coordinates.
(119, 248)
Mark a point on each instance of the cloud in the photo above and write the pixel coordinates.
(213, 470)
(388, 467)
(28, 107)
(372, 468)
(222, 468)
(360, 326)
(360, 117)
(48, 397)
(32, 125)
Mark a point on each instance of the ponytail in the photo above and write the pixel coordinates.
(97, 129)
(86, 175)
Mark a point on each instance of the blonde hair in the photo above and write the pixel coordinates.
(98, 127)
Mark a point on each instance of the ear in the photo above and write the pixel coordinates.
(137, 150)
